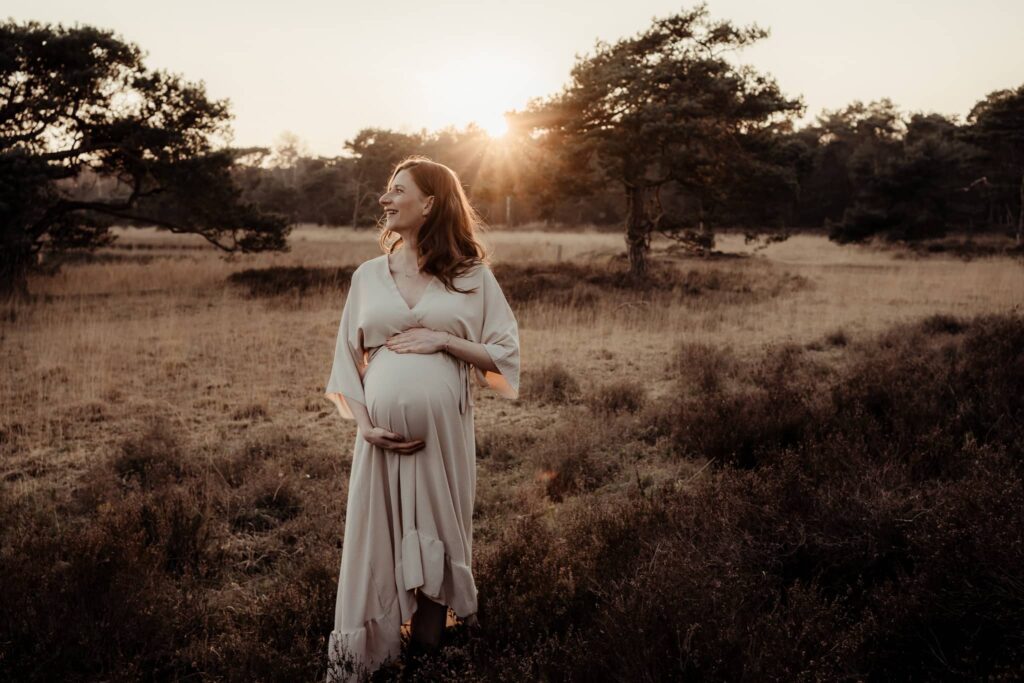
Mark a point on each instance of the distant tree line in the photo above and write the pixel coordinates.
(860, 170)
(867, 170)
(857, 172)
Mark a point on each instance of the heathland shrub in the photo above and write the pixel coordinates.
(244, 459)
(621, 396)
(112, 595)
(877, 522)
(551, 383)
(703, 366)
(298, 280)
(923, 396)
(773, 405)
(153, 457)
(506, 447)
(266, 504)
(585, 284)
(918, 392)
(579, 454)
(277, 632)
(809, 568)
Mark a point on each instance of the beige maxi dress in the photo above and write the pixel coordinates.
(409, 518)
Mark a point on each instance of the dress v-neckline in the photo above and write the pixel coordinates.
(398, 292)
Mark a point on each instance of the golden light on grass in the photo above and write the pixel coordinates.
(546, 475)
(117, 341)
(170, 335)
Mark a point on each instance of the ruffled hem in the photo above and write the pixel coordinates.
(355, 655)
(426, 565)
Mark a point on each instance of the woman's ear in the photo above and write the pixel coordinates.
(430, 203)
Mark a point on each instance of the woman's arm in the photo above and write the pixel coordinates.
(361, 415)
(469, 351)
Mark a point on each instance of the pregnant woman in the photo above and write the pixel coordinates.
(419, 322)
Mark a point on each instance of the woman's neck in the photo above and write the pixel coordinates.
(407, 257)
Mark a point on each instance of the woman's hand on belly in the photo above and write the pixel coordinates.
(417, 340)
(392, 441)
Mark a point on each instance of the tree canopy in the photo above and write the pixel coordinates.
(81, 98)
(665, 107)
(997, 127)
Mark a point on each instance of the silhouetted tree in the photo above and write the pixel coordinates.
(845, 146)
(76, 98)
(907, 179)
(997, 126)
(663, 107)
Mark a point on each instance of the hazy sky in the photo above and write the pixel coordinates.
(323, 70)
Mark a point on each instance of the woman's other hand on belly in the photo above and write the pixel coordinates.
(392, 441)
(417, 340)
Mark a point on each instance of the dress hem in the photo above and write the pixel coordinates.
(440, 577)
(379, 640)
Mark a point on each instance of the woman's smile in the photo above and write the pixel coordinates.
(405, 206)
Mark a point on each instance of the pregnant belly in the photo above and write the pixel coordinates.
(408, 392)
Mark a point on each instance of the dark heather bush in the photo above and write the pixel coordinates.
(296, 280)
(776, 406)
(703, 366)
(551, 383)
(837, 338)
(909, 392)
(504, 446)
(625, 395)
(269, 503)
(585, 284)
(795, 571)
(941, 323)
(112, 595)
(924, 398)
(153, 457)
(580, 455)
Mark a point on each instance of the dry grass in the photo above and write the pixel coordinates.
(148, 373)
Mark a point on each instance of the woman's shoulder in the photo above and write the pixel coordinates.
(477, 270)
(369, 263)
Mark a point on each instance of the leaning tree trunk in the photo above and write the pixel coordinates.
(1020, 214)
(638, 231)
(15, 264)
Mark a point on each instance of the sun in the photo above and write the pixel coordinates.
(479, 89)
(495, 128)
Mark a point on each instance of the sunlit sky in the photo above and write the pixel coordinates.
(325, 69)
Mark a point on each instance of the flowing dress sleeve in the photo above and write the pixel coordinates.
(346, 380)
(500, 336)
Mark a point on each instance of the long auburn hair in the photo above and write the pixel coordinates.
(447, 242)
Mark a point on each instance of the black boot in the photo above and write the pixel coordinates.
(413, 656)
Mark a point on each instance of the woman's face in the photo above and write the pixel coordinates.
(405, 204)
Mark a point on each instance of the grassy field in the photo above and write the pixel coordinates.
(145, 396)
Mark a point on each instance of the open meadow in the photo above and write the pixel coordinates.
(766, 464)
